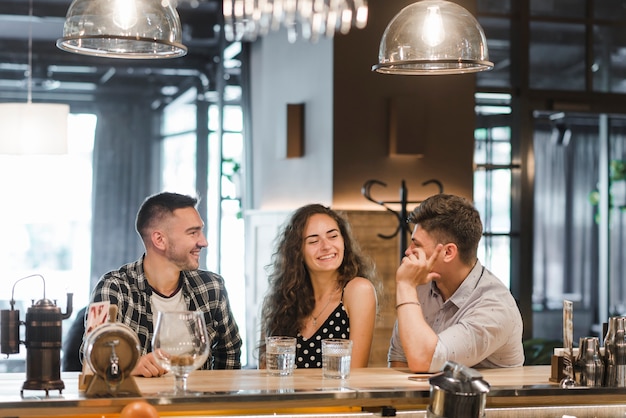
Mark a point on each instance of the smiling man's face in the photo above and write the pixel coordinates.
(185, 238)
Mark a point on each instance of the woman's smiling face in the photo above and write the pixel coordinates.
(323, 244)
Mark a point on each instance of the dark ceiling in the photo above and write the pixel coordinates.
(80, 80)
(560, 59)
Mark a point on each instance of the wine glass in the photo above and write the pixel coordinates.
(180, 344)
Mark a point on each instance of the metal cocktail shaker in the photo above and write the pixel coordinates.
(589, 367)
(457, 392)
(615, 352)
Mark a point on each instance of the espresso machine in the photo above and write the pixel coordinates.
(42, 339)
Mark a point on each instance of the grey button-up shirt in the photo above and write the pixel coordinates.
(479, 326)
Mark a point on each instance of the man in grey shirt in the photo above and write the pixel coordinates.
(449, 307)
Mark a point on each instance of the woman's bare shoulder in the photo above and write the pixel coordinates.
(359, 296)
(359, 286)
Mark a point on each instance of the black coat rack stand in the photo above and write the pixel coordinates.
(401, 214)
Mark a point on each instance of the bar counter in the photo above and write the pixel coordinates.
(518, 392)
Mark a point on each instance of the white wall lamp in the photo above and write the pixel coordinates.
(33, 128)
(433, 37)
(135, 29)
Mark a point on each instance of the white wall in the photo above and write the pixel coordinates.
(284, 73)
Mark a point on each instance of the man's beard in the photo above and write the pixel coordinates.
(183, 259)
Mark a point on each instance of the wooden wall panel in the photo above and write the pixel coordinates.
(366, 225)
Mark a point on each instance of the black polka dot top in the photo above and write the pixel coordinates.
(309, 350)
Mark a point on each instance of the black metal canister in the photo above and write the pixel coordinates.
(43, 346)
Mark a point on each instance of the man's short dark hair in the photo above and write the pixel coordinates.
(156, 207)
(450, 218)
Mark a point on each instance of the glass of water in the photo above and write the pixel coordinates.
(336, 355)
(280, 355)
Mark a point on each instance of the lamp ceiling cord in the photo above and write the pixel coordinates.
(29, 75)
(33, 128)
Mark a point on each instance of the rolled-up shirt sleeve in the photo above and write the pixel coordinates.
(396, 352)
(458, 345)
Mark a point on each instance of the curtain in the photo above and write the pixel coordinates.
(566, 243)
(125, 171)
(566, 234)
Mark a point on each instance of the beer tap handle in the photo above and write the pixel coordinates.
(112, 313)
(113, 373)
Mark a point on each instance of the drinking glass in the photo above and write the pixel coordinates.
(336, 358)
(180, 344)
(280, 355)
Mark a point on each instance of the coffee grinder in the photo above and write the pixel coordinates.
(42, 339)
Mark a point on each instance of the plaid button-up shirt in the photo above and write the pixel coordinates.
(202, 290)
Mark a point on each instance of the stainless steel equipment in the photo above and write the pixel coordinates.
(615, 352)
(42, 340)
(457, 392)
(589, 367)
(568, 344)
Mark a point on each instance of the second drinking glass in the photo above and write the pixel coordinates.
(336, 358)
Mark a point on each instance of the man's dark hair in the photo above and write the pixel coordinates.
(156, 207)
(450, 218)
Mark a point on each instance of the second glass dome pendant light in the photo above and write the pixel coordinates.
(433, 37)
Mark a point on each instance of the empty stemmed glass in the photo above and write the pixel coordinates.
(180, 344)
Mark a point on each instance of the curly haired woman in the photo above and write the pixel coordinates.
(320, 286)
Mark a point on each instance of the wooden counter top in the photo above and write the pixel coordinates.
(247, 392)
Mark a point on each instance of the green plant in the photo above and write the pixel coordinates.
(617, 173)
(617, 168)
(539, 351)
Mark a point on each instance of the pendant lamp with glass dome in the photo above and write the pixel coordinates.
(433, 37)
(135, 29)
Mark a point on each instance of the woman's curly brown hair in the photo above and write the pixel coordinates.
(290, 298)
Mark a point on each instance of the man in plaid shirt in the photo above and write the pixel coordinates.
(166, 278)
